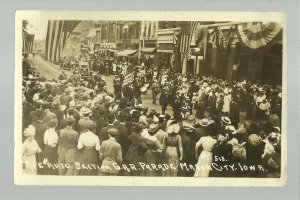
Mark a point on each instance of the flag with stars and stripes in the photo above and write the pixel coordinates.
(57, 33)
(194, 25)
(223, 42)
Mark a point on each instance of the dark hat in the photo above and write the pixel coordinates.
(137, 127)
(123, 115)
(50, 98)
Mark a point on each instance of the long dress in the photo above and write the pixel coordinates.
(172, 143)
(89, 158)
(50, 151)
(206, 156)
(30, 149)
(226, 105)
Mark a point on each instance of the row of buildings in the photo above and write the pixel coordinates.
(220, 53)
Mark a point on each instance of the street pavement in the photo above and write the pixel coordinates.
(52, 71)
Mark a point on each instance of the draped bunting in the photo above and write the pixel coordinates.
(258, 37)
(201, 37)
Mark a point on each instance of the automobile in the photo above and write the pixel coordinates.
(84, 70)
(66, 64)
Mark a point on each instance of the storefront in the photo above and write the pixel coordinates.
(107, 48)
(167, 48)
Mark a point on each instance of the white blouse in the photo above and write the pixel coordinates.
(89, 140)
(50, 137)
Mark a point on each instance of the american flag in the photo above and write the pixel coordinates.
(129, 77)
(194, 25)
(27, 42)
(57, 33)
(223, 42)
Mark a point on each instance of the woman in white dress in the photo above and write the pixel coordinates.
(226, 106)
(29, 150)
(207, 144)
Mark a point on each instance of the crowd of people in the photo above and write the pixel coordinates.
(78, 127)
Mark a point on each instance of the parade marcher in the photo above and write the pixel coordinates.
(234, 113)
(155, 90)
(163, 100)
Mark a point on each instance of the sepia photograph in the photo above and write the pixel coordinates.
(146, 98)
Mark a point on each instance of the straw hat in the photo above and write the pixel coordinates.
(226, 120)
(85, 111)
(231, 129)
(204, 122)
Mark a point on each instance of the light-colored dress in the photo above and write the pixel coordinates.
(226, 106)
(206, 156)
(90, 144)
(172, 143)
(50, 151)
(30, 149)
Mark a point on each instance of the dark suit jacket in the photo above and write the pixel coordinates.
(104, 133)
(100, 123)
(138, 146)
(123, 137)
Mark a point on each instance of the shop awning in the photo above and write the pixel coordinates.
(164, 51)
(148, 50)
(126, 52)
(112, 50)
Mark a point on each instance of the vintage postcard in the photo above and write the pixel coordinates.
(146, 98)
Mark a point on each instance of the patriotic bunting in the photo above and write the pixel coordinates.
(258, 37)
(57, 33)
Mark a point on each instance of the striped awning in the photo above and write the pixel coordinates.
(126, 52)
(165, 51)
(258, 36)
